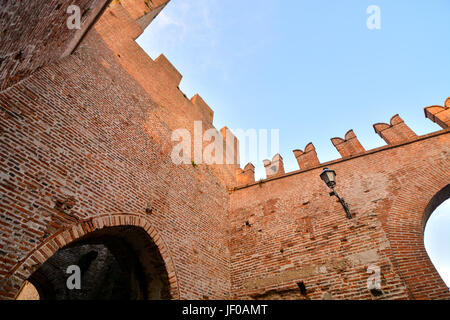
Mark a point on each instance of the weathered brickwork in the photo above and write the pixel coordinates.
(348, 146)
(80, 139)
(288, 230)
(34, 33)
(85, 153)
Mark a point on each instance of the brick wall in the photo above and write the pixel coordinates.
(34, 34)
(81, 139)
(160, 79)
(289, 230)
(85, 144)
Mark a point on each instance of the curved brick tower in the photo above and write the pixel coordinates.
(86, 123)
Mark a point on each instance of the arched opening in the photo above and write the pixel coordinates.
(114, 263)
(28, 292)
(437, 232)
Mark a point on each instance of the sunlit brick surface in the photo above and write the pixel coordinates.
(85, 143)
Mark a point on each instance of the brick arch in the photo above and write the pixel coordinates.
(405, 229)
(37, 257)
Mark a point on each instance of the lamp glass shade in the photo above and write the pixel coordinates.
(329, 177)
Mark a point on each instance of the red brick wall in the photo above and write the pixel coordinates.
(289, 230)
(34, 33)
(92, 130)
(83, 129)
(159, 78)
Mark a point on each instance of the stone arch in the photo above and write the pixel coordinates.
(420, 194)
(24, 269)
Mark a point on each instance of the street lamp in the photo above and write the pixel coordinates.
(329, 177)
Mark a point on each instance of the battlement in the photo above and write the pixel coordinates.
(247, 175)
(230, 146)
(143, 11)
(308, 158)
(395, 133)
(203, 107)
(106, 179)
(275, 167)
(439, 114)
(168, 68)
(348, 146)
(118, 28)
(122, 22)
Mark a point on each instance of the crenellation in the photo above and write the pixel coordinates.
(439, 114)
(118, 21)
(275, 167)
(308, 158)
(348, 146)
(395, 132)
(164, 64)
(92, 162)
(143, 10)
(230, 147)
(246, 175)
(204, 109)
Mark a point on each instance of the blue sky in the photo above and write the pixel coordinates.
(311, 69)
(437, 240)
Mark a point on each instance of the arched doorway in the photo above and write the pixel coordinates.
(437, 232)
(116, 262)
(28, 292)
(420, 194)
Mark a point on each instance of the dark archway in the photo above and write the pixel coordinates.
(118, 263)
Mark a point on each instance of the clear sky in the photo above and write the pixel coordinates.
(437, 240)
(311, 69)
